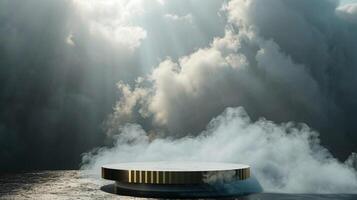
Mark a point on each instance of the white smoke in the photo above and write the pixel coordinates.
(284, 158)
(278, 59)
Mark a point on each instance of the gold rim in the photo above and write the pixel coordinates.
(173, 177)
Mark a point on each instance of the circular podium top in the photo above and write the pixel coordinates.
(176, 166)
(174, 172)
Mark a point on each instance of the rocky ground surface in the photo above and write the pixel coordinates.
(58, 185)
(52, 185)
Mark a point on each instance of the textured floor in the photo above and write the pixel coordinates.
(52, 185)
(75, 185)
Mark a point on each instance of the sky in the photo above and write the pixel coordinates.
(61, 62)
(348, 1)
(86, 83)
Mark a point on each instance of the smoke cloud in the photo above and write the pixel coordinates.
(278, 59)
(284, 158)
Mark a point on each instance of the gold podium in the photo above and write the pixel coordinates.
(174, 172)
(181, 179)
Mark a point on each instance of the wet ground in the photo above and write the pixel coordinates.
(76, 185)
(52, 185)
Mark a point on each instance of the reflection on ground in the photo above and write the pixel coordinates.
(74, 185)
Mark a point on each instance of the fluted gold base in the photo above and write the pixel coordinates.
(165, 173)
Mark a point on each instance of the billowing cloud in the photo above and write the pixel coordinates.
(220, 76)
(112, 20)
(279, 59)
(291, 75)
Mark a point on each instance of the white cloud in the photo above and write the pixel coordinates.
(185, 18)
(162, 2)
(112, 20)
(224, 75)
(69, 40)
(348, 12)
(125, 36)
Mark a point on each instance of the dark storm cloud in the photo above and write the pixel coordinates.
(54, 94)
(60, 62)
(325, 44)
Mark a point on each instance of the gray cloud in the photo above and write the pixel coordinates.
(186, 18)
(302, 74)
(57, 83)
(60, 62)
(279, 59)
